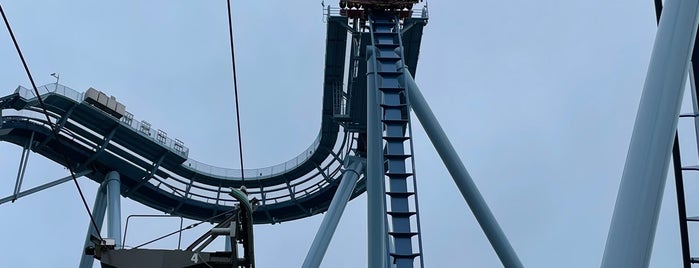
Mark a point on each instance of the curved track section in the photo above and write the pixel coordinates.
(156, 171)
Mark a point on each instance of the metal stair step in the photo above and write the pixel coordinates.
(691, 168)
(391, 89)
(400, 194)
(386, 45)
(396, 105)
(402, 214)
(399, 175)
(386, 33)
(405, 256)
(397, 156)
(399, 138)
(390, 72)
(403, 235)
(394, 120)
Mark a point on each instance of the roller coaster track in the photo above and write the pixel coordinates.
(155, 170)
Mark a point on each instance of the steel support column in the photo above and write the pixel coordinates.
(353, 167)
(460, 175)
(98, 211)
(635, 218)
(375, 185)
(114, 207)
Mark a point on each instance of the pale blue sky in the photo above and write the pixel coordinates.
(538, 98)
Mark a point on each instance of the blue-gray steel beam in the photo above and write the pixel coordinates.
(632, 230)
(23, 166)
(43, 187)
(146, 177)
(353, 167)
(100, 149)
(460, 175)
(114, 207)
(375, 185)
(58, 126)
(98, 211)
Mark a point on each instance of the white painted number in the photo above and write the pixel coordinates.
(195, 258)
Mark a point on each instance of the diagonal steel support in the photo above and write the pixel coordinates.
(460, 175)
(23, 166)
(43, 187)
(353, 168)
(149, 174)
(58, 126)
(99, 150)
(292, 195)
(636, 212)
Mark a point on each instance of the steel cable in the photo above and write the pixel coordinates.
(54, 130)
(235, 89)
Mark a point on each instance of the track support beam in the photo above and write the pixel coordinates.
(460, 175)
(632, 230)
(353, 167)
(22, 167)
(114, 207)
(107, 202)
(43, 187)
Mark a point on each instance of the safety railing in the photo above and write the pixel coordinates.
(228, 173)
(301, 187)
(332, 11)
(138, 126)
(418, 12)
(179, 233)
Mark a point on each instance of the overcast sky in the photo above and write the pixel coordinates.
(538, 98)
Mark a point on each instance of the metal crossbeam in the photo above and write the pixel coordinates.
(58, 126)
(149, 174)
(43, 187)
